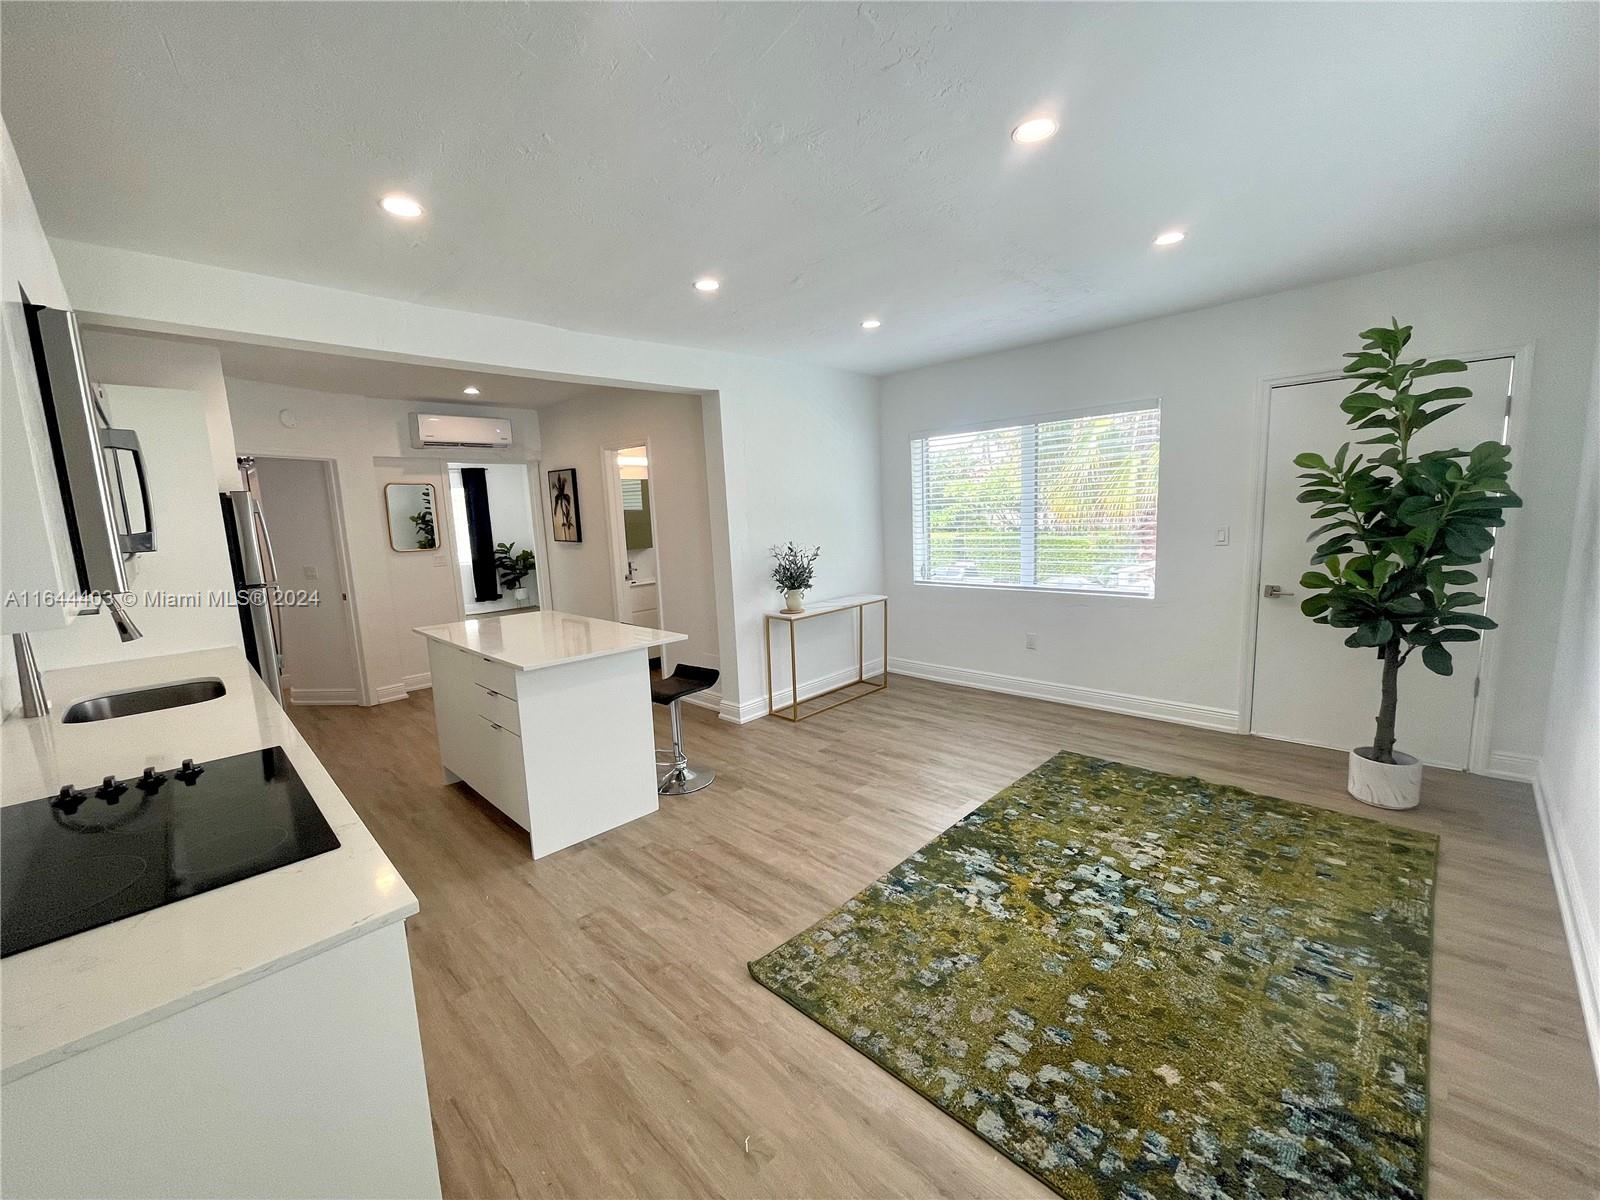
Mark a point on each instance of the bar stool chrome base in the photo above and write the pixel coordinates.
(681, 779)
(685, 780)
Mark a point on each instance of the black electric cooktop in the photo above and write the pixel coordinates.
(88, 857)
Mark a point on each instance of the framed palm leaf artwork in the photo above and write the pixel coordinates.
(565, 525)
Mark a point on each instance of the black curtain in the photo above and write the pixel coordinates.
(480, 535)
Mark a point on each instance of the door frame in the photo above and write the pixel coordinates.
(341, 546)
(1478, 753)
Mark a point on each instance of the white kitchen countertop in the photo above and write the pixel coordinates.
(530, 641)
(64, 997)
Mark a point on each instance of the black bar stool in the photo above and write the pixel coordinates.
(681, 778)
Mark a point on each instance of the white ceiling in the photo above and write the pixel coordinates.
(581, 164)
(387, 379)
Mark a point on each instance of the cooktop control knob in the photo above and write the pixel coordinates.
(110, 790)
(189, 772)
(68, 799)
(151, 780)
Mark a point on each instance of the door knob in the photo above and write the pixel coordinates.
(1272, 591)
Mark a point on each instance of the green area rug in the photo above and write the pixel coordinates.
(1138, 985)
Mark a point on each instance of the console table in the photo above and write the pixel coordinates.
(825, 608)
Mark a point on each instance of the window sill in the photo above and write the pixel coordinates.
(1031, 590)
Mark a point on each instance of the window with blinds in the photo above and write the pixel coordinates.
(632, 495)
(1064, 505)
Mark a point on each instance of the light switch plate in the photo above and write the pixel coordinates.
(1222, 535)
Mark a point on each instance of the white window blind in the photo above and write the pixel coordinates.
(633, 495)
(1064, 505)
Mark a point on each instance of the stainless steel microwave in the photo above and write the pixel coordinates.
(104, 489)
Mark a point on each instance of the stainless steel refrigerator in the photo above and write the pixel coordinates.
(255, 577)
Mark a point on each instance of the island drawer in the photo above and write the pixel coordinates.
(493, 675)
(497, 707)
(501, 772)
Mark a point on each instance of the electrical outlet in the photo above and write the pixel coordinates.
(1030, 641)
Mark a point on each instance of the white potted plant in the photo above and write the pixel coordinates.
(1402, 532)
(513, 568)
(793, 569)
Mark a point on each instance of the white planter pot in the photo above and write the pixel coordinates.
(1385, 785)
(519, 594)
(792, 602)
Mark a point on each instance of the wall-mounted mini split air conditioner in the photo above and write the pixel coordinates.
(443, 429)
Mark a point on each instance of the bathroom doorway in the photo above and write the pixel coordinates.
(635, 568)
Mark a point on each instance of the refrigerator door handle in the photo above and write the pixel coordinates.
(260, 519)
(264, 629)
(252, 570)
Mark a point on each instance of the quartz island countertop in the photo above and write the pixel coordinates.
(78, 992)
(532, 641)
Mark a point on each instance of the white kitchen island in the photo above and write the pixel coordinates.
(547, 716)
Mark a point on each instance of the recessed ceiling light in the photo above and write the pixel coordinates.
(469, 391)
(1170, 238)
(398, 204)
(871, 323)
(707, 284)
(1035, 129)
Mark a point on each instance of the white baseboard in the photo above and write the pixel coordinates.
(390, 692)
(754, 710)
(324, 696)
(1583, 940)
(1524, 768)
(710, 698)
(1225, 719)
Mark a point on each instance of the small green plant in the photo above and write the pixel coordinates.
(794, 566)
(427, 537)
(513, 567)
(1402, 530)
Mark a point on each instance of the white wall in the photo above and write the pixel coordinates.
(576, 434)
(1183, 649)
(369, 442)
(319, 661)
(419, 585)
(164, 363)
(790, 449)
(1568, 782)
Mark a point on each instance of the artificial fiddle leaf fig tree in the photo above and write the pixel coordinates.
(1402, 529)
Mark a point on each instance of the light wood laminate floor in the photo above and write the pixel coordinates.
(590, 1029)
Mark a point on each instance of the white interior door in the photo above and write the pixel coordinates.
(318, 642)
(1309, 686)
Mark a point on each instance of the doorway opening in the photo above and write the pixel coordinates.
(635, 565)
(496, 542)
(317, 641)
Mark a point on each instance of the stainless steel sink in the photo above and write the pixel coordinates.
(143, 700)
